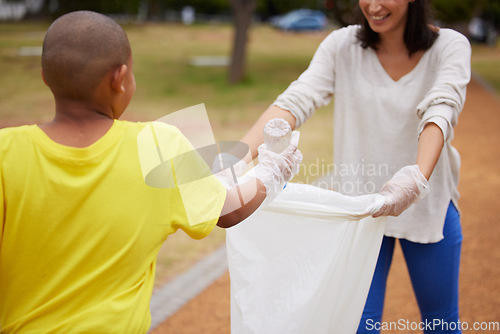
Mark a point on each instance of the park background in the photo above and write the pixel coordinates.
(165, 51)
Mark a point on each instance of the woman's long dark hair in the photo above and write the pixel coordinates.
(419, 34)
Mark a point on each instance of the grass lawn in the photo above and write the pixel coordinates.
(166, 82)
(486, 63)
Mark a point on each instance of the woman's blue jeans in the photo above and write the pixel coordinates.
(433, 269)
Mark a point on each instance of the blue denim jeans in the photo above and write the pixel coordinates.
(433, 270)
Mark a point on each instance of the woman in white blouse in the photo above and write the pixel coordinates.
(399, 85)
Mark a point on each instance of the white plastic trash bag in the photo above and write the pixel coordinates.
(304, 263)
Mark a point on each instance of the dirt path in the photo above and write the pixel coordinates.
(477, 137)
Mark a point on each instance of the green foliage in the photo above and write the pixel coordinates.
(451, 11)
(490, 11)
(343, 11)
(155, 7)
(448, 11)
(200, 6)
(265, 8)
(101, 6)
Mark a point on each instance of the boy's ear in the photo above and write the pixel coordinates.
(118, 78)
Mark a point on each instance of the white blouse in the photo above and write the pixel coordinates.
(377, 120)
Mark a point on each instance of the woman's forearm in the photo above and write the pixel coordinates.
(430, 144)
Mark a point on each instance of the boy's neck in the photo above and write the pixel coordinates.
(77, 124)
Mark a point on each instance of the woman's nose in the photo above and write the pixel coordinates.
(374, 6)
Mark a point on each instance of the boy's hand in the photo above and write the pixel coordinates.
(404, 189)
(276, 169)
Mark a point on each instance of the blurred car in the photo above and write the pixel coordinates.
(301, 20)
(482, 31)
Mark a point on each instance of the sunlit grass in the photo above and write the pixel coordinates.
(486, 64)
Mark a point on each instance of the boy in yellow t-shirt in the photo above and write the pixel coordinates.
(80, 229)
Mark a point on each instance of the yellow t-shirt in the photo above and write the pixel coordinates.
(81, 229)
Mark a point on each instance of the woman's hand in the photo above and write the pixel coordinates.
(404, 189)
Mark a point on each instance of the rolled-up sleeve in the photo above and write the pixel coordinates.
(445, 100)
(314, 87)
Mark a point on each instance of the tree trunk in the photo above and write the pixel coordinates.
(242, 14)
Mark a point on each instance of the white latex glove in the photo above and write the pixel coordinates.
(402, 190)
(276, 169)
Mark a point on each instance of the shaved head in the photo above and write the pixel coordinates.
(79, 49)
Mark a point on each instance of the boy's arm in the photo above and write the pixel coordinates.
(233, 211)
(268, 178)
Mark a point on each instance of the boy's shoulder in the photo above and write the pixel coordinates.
(10, 130)
(157, 129)
(157, 125)
(24, 131)
(161, 135)
(24, 136)
(15, 133)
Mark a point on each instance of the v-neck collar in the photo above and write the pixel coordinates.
(408, 76)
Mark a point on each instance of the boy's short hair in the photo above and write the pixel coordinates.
(79, 49)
